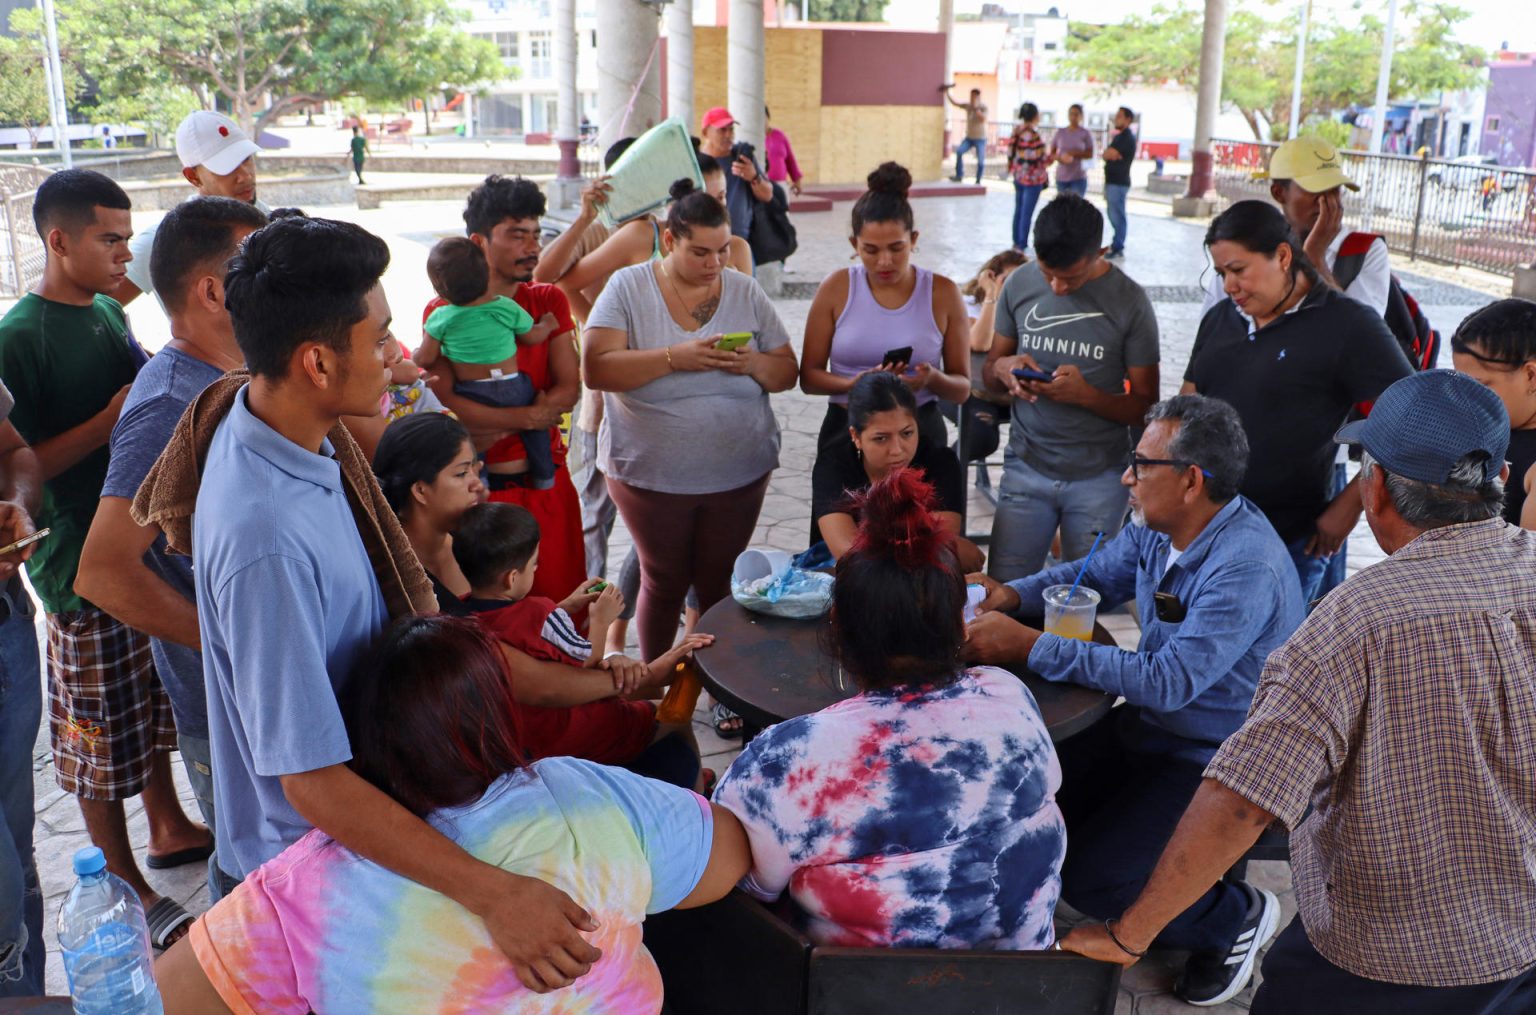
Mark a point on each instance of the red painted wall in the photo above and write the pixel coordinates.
(878, 68)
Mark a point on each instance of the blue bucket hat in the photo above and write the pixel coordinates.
(1423, 425)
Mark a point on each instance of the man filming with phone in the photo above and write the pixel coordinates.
(1217, 593)
(744, 181)
(1085, 334)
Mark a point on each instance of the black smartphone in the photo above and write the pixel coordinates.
(902, 355)
(1024, 373)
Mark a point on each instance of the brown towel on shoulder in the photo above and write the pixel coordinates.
(168, 496)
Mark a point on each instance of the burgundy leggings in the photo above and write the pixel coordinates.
(684, 539)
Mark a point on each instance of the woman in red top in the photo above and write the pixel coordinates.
(1028, 164)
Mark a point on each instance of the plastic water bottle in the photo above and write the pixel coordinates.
(106, 943)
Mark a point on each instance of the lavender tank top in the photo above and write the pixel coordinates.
(866, 331)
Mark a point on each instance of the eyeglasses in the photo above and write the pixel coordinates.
(1137, 462)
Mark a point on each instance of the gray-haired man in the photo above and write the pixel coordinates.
(1217, 594)
(1403, 712)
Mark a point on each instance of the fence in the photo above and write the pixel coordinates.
(21, 251)
(1439, 210)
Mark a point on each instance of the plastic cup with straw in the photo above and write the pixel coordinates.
(1070, 610)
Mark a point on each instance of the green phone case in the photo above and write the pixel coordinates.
(735, 340)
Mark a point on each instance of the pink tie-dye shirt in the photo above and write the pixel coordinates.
(320, 929)
(917, 817)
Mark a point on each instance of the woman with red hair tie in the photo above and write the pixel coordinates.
(921, 812)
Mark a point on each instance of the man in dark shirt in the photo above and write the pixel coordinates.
(1117, 176)
(745, 185)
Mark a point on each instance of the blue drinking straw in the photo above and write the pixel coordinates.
(1097, 539)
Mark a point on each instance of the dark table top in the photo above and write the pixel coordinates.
(768, 669)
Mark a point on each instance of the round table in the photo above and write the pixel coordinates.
(768, 669)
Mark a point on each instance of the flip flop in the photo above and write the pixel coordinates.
(180, 858)
(720, 715)
(165, 918)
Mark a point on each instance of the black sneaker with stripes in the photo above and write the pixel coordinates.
(1213, 978)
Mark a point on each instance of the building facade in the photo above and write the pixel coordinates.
(523, 104)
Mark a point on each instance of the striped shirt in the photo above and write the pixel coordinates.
(1404, 712)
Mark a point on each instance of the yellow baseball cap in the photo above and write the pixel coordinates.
(1311, 163)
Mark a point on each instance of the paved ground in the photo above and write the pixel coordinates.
(956, 236)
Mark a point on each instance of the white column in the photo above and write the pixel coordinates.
(1301, 62)
(1383, 80)
(628, 71)
(680, 63)
(947, 29)
(567, 113)
(744, 70)
(57, 108)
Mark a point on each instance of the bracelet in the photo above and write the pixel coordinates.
(670, 367)
(985, 302)
(1109, 928)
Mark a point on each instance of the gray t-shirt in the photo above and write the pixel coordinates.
(161, 392)
(696, 431)
(1103, 328)
(12, 594)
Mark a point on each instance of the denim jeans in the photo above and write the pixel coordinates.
(1114, 200)
(597, 510)
(1031, 506)
(515, 392)
(979, 146)
(197, 757)
(1311, 570)
(1078, 187)
(21, 898)
(1024, 201)
(1337, 570)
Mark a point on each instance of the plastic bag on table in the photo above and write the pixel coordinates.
(766, 581)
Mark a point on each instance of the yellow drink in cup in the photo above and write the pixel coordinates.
(1070, 619)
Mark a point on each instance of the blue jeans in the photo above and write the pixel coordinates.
(1114, 199)
(21, 897)
(1309, 569)
(1024, 201)
(1078, 187)
(1336, 573)
(513, 393)
(1031, 506)
(197, 758)
(979, 146)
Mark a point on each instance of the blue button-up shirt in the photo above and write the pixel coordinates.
(1194, 679)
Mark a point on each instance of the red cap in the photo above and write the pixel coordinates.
(718, 117)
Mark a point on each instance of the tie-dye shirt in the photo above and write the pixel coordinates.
(919, 817)
(318, 928)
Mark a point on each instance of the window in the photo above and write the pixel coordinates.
(540, 49)
(1491, 126)
(1050, 45)
(506, 42)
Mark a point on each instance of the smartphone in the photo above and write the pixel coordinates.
(24, 541)
(902, 355)
(598, 587)
(1024, 373)
(735, 340)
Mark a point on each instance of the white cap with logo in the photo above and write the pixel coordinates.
(214, 140)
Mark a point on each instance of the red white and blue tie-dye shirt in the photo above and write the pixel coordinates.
(320, 929)
(920, 817)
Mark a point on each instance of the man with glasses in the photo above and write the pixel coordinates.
(1217, 593)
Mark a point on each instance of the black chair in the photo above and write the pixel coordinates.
(734, 955)
(876, 981)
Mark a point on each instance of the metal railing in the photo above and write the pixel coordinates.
(21, 250)
(1439, 210)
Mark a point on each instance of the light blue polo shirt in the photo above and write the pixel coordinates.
(287, 602)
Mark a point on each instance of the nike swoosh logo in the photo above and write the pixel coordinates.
(1036, 321)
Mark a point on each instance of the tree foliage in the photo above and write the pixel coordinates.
(263, 58)
(1342, 59)
(23, 81)
(845, 10)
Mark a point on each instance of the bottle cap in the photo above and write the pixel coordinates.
(90, 860)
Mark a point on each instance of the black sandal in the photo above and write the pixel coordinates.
(728, 725)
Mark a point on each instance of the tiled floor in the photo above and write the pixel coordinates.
(957, 235)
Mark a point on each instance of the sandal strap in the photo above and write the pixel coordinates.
(164, 919)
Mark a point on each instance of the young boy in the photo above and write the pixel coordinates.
(478, 335)
(497, 548)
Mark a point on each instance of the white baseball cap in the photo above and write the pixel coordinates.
(214, 140)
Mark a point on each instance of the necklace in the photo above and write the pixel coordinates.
(706, 308)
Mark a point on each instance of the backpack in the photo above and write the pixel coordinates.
(773, 236)
(1420, 342)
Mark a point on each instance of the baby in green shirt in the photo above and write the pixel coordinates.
(477, 335)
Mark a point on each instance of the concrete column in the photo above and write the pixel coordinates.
(1213, 44)
(567, 109)
(947, 29)
(744, 71)
(627, 37)
(680, 63)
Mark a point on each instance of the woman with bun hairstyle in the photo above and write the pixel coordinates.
(686, 354)
(921, 812)
(880, 307)
(1292, 355)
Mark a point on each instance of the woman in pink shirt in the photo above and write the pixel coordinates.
(781, 157)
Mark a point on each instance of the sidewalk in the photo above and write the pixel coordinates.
(956, 236)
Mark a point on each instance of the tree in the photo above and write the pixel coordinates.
(845, 10)
(1341, 61)
(264, 58)
(23, 85)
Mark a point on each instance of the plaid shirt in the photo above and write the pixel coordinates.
(1404, 712)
